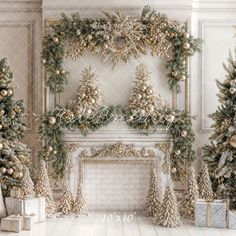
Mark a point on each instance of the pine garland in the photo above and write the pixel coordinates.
(109, 36)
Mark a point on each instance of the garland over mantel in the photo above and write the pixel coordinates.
(118, 39)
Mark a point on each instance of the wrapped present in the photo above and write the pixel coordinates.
(210, 213)
(12, 223)
(231, 216)
(15, 193)
(27, 206)
(29, 221)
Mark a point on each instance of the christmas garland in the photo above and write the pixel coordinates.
(118, 38)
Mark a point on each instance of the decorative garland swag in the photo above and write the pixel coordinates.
(118, 38)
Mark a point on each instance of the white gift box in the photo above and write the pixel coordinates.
(28, 222)
(12, 224)
(210, 213)
(28, 206)
(15, 193)
(231, 219)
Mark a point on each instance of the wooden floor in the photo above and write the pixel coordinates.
(95, 225)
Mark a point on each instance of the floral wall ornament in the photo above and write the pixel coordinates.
(118, 39)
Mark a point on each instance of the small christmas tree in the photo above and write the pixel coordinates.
(89, 98)
(43, 188)
(66, 202)
(154, 197)
(80, 206)
(205, 188)
(190, 195)
(27, 188)
(220, 154)
(169, 215)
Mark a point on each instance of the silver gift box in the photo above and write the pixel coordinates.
(211, 213)
(231, 219)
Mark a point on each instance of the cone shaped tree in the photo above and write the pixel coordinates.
(154, 196)
(44, 189)
(190, 195)
(221, 153)
(66, 202)
(80, 206)
(204, 184)
(169, 214)
(27, 187)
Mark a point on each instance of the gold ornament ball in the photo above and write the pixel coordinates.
(10, 92)
(78, 32)
(174, 73)
(142, 111)
(55, 152)
(89, 111)
(186, 45)
(57, 72)
(232, 141)
(52, 120)
(10, 171)
(20, 175)
(106, 37)
(15, 175)
(2, 112)
(4, 92)
(150, 91)
(183, 77)
(184, 133)
(173, 170)
(150, 108)
(144, 88)
(139, 96)
(232, 90)
(186, 35)
(1, 126)
(171, 118)
(93, 100)
(152, 18)
(50, 148)
(1, 146)
(105, 46)
(55, 39)
(63, 72)
(43, 61)
(177, 152)
(89, 37)
(3, 170)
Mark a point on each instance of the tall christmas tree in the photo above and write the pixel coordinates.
(44, 189)
(205, 187)
(154, 197)
(13, 154)
(190, 195)
(80, 206)
(66, 202)
(221, 153)
(169, 214)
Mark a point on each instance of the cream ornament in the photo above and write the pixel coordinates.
(1, 146)
(184, 133)
(4, 92)
(232, 90)
(10, 171)
(52, 120)
(3, 170)
(187, 45)
(177, 152)
(57, 72)
(78, 32)
(232, 141)
(55, 39)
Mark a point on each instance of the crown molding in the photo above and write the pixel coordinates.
(20, 6)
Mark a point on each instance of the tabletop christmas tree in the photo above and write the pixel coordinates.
(154, 197)
(66, 202)
(144, 102)
(204, 184)
(44, 189)
(169, 214)
(221, 153)
(27, 187)
(80, 206)
(190, 195)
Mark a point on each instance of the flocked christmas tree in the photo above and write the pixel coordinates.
(154, 196)
(144, 102)
(169, 214)
(66, 202)
(80, 206)
(88, 99)
(27, 188)
(44, 189)
(221, 153)
(204, 184)
(190, 195)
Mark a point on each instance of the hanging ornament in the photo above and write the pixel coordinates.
(63, 72)
(187, 45)
(184, 133)
(89, 37)
(4, 92)
(10, 171)
(1, 146)
(55, 39)
(174, 73)
(52, 120)
(106, 37)
(3, 170)
(43, 61)
(177, 152)
(170, 118)
(183, 77)
(144, 88)
(54, 152)
(105, 46)
(186, 35)
(10, 92)
(173, 170)
(2, 112)
(57, 72)
(232, 141)
(15, 175)
(50, 148)
(139, 96)
(232, 90)
(20, 175)
(78, 32)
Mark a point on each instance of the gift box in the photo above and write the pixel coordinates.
(15, 193)
(231, 216)
(12, 224)
(28, 206)
(210, 213)
(28, 222)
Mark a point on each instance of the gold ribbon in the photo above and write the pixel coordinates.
(208, 213)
